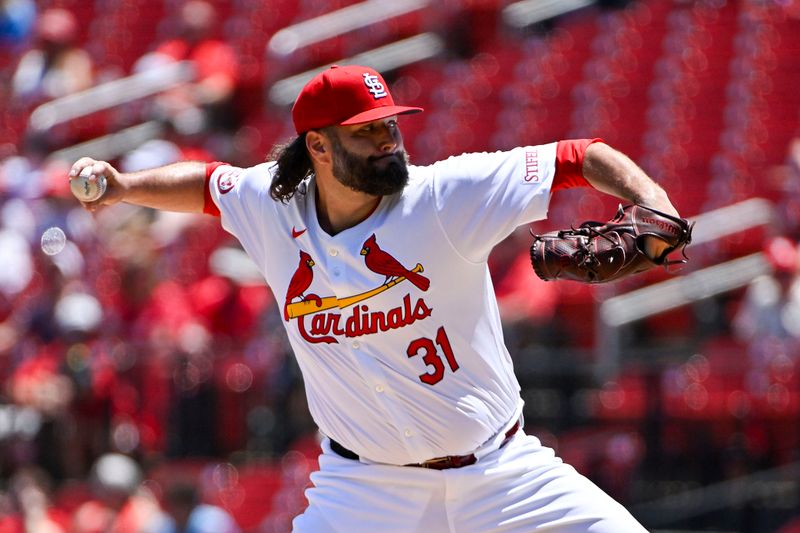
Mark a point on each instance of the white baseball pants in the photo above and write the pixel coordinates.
(521, 487)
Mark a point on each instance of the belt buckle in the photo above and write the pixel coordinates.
(436, 464)
(457, 461)
(449, 461)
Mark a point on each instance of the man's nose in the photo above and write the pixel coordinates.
(387, 142)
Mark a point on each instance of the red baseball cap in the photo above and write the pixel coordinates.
(344, 95)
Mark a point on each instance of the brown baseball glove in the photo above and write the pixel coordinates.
(597, 252)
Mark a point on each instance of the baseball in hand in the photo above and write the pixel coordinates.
(85, 190)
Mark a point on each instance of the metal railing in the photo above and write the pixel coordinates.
(391, 56)
(112, 145)
(339, 22)
(110, 94)
(766, 486)
(526, 12)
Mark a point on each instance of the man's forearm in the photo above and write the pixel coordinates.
(175, 187)
(612, 172)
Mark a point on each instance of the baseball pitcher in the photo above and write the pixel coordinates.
(380, 270)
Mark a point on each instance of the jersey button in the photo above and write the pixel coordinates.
(356, 345)
(333, 251)
(408, 433)
(379, 388)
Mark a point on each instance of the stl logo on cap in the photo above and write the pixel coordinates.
(375, 86)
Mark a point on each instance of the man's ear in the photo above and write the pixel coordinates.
(317, 146)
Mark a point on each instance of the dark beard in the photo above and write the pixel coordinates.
(364, 175)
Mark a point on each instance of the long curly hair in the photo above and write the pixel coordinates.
(294, 165)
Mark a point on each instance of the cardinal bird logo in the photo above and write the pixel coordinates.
(382, 263)
(301, 281)
(324, 320)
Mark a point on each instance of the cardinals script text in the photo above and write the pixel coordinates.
(325, 327)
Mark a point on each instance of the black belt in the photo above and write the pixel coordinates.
(440, 463)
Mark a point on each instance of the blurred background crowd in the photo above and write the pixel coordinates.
(146, 382)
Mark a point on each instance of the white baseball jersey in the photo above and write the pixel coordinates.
(394, 322)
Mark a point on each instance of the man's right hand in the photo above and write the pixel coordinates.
(174, 187)
(115, 188)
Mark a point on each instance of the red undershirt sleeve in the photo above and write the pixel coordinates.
(569, 163)
(209, 207)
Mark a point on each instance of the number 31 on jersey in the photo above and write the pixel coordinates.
(429, 350)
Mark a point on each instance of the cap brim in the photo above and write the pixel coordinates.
(378, 113)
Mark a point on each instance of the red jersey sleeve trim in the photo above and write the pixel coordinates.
(569, 163)
(209, 207)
